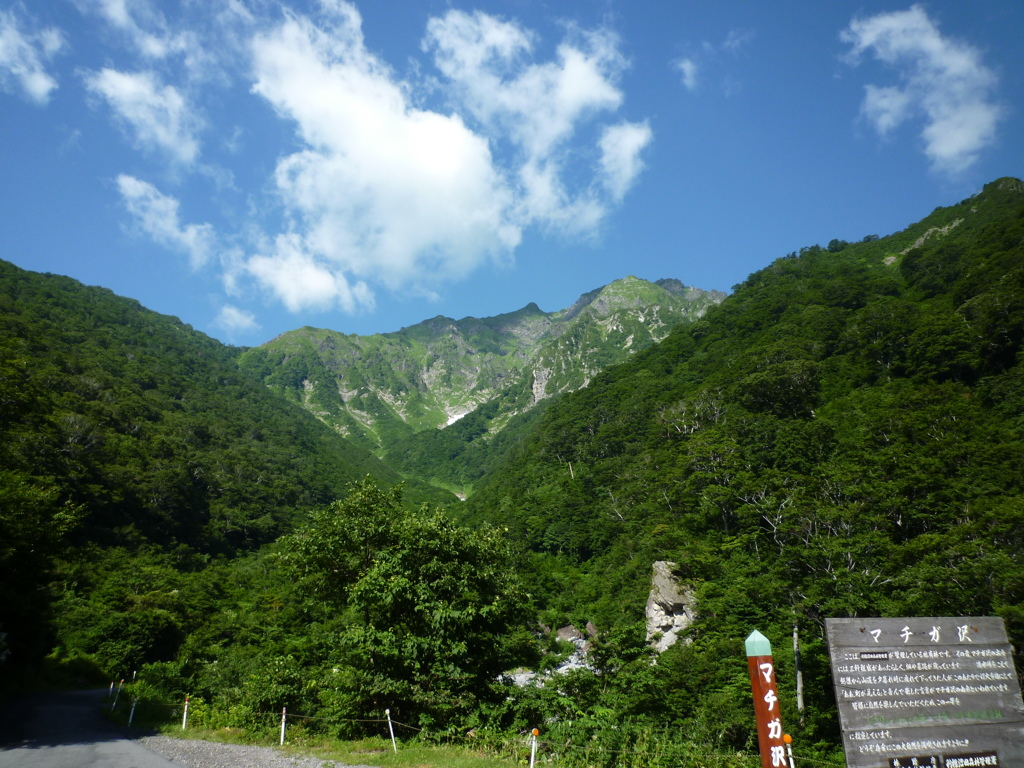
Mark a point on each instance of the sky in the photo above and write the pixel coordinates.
(253, 167)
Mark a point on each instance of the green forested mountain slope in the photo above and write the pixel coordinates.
(382, 390)
(150, 424)
(842, 436)
(122, 427)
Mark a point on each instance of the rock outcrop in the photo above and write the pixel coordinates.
(670, 607)
(577, 659)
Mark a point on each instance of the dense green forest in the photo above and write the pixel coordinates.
(840, 437)
(125, 433)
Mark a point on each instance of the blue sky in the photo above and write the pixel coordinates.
(253, 167)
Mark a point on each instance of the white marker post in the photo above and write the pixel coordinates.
(391, 728)
(131, 715)
(533, 746)
(284, 717)
(184, 717)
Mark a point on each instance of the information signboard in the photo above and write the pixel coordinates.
(938, 692)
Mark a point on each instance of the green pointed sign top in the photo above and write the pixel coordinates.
(758, 645)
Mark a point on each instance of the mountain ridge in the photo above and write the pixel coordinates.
(380, 389)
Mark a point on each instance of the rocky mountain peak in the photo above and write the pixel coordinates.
(382, 389)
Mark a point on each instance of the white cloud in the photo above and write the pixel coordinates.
(708, 57)
(377, 188)
(156, 215)
(688, 69)
(539, 108)
(235, 321)
(737, 39)
(23, 57)
(300, 282)
(886, 107)
(942, 80)
(122, 15)
(158, 115)
(146, 29)
(620, 156)
(383, 191)
(387, 192)
(545, 200)
(538, 105)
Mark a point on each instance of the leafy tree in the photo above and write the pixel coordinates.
(429, 614)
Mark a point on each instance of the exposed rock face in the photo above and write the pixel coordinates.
(571, 635)
(576, 660)
(670, 607)
(380, 389)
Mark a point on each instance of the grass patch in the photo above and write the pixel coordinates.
(379, 752)
(369, 751)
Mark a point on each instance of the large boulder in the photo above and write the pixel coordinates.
(670, 607)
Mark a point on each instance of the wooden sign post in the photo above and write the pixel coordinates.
(766, 701)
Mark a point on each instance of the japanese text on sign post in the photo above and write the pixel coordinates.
(766, 701)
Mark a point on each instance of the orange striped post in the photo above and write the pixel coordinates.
(766, 701)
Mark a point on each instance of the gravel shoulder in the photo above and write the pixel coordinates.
(210, 754)
(66, 729)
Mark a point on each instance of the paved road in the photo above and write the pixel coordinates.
(67, 730)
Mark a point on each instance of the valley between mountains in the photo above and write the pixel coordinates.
(349, 525)
(391, 393)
